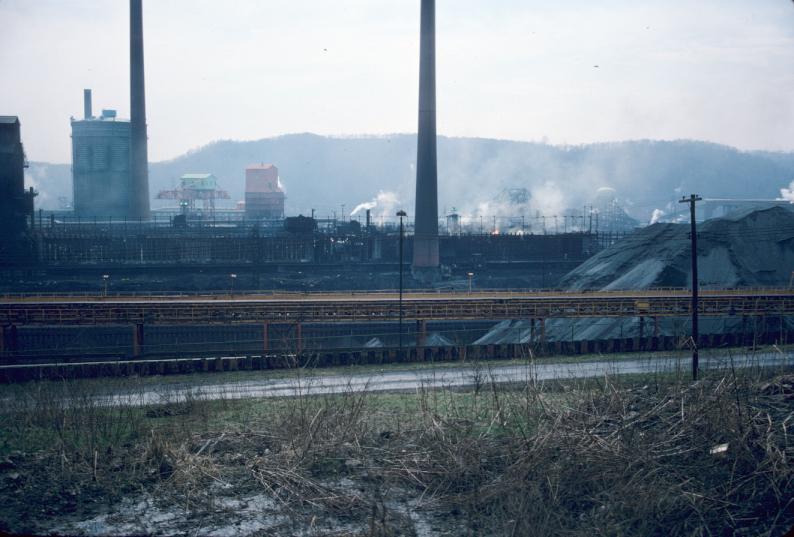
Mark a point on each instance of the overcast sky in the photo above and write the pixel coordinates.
(569, 71)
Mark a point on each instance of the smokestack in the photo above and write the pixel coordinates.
(426, 216)
(87, 113)
(139, 155)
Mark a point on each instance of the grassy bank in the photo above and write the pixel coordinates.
(650, 454)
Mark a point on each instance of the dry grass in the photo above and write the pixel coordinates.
(606, 457)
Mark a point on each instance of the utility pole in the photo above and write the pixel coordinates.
(691, 200)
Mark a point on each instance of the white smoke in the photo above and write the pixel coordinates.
(548, 199)
(385, 203)
(366, 206)
(43, 197)
(788, 193)
(656, 216)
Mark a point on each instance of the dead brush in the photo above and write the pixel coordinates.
(187, 477)
(315, 428)
(294, 489)
(689, 459)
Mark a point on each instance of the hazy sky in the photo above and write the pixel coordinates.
(563, 71)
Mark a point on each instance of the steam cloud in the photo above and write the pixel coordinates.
(385, 202)
(656, 216)
(788, 193)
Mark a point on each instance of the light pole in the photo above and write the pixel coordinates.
(401, 214)
(105, 278)
(470, 275)
(233, 278)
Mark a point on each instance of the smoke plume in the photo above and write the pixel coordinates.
(788, 193)
(384, 202)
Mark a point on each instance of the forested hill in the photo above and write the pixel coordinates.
(325, 172)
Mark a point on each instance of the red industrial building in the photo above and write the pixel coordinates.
(264, 197)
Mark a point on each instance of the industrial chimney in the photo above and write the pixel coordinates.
(87, 112)
(139, 157)
(425, 261)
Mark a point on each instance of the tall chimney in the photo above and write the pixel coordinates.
(139, 155)
(426, 216)
(87, 113)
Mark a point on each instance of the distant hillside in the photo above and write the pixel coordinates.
(323, 173)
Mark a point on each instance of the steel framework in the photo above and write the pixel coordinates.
(349, 307)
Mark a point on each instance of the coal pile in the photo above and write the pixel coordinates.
(744, 249)
(747, 249)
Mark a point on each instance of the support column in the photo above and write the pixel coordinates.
(266, 337)
(780, 326)
(12, 340)
(641, 340)
(421, 333)
(532, 331)
(137, 340)
(298, 338)
(656, 344)
(543, 333)
(764, 330)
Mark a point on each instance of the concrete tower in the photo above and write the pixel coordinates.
(139, 154)
(426, 215)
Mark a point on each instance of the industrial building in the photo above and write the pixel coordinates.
(264, 197)
(16, 204)
(101, 164)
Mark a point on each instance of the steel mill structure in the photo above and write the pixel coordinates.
(267, 331)
(193, 188)
(110, 164)
(16, 204)
(101, 179)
